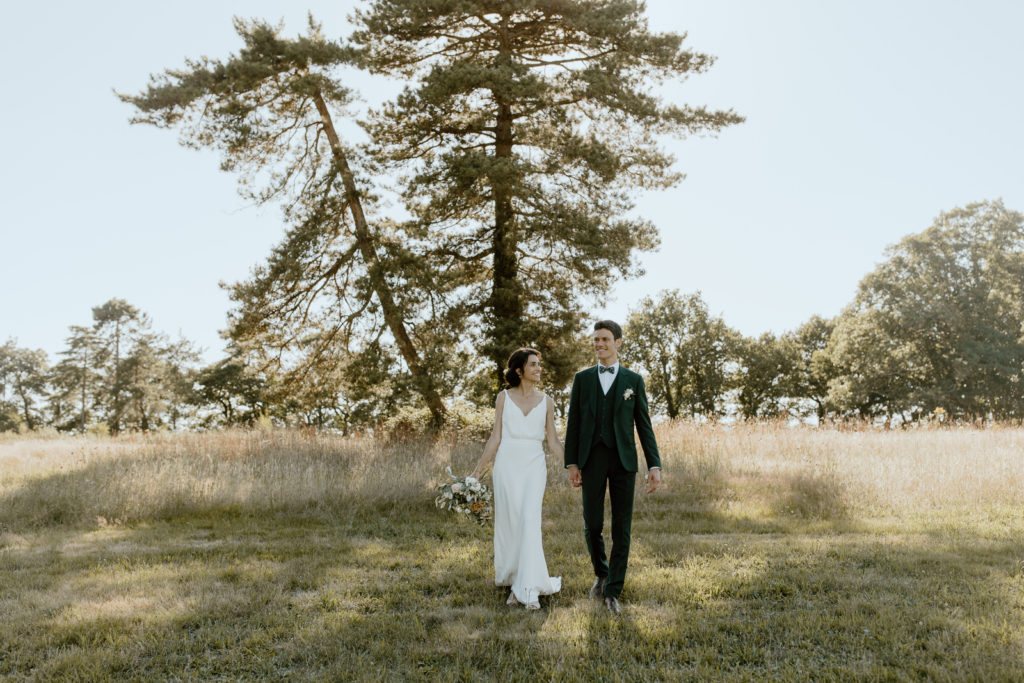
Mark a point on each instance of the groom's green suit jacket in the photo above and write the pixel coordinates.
(629, 409)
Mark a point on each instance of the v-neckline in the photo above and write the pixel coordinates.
(521, 412)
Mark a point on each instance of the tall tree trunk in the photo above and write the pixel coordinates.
(115, 426)
(140, 401)
(367, 248)
(85, 382)
(25, 406)
(671, 405)
(506, 297)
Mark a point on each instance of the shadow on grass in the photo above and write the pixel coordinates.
(824, 606)
(304, 598)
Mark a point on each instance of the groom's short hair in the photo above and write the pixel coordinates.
(609, 325)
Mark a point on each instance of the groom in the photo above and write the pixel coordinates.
(600, 453)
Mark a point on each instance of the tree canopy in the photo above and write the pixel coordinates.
(685, 351)
(338, 277)
(939, 324)
(523, 137)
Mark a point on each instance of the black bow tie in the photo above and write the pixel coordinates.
(604, 369)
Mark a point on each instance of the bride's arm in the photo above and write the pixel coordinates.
(492, 443)
(554, 445)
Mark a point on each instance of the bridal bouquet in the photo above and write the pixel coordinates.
(466, 496)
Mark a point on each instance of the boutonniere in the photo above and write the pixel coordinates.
(627, 394)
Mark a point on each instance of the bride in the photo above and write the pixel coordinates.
(520, 475)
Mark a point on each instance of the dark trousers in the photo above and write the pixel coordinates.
(604, 471)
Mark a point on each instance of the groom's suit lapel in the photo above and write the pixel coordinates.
(588, 391)
(623, 383)
(595, 386)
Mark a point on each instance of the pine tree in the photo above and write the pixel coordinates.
(339, 273)
(527, 131)
(116, 322)
(75, 380)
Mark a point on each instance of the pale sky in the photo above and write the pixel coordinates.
(865, 120)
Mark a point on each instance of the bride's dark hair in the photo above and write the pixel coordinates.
(516, 363)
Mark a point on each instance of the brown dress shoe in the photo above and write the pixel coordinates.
(597, 590)
(612, 603)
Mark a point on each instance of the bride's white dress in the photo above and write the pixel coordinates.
(520, 475)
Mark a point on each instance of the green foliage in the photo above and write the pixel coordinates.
(465, 422)
(233, 389)
(115, 322)
(23, 378)
(75, 381)
(120, 372)
(815, 369)
(684, 351)
(765, 377)
(524, 134)
(349, 389)
(10, 420)
(142, 377)
(939, 323)
(341, 278)
(785, 376)
(345, 391)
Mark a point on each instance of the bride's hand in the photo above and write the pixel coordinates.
(575, 476)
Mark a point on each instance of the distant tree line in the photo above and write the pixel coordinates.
(119, 375)
(115, 375)
(935, 333)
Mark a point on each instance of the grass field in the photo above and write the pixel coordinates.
(771, 554)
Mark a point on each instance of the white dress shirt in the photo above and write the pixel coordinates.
(607, 377)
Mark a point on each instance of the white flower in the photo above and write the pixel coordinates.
(627, 394)
(466, 496)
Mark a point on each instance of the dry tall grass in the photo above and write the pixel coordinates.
(863, 471)
(749, 469)
(165, 475)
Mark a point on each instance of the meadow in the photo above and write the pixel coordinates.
(771, 553)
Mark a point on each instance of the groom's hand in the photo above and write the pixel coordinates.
(575, 476)
(653, 480)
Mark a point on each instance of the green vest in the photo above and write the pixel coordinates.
(604, 423)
